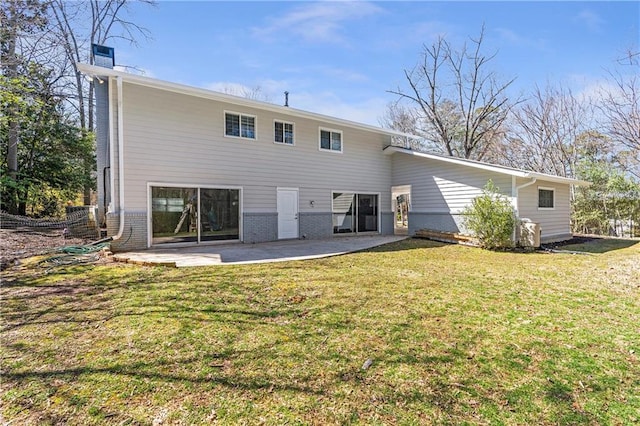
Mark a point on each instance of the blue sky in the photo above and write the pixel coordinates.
(341, 58)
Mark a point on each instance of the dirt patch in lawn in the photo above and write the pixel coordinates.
(22, 243)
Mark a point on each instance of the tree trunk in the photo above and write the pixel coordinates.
(11, 71)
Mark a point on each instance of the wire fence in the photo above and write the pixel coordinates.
(79, 222)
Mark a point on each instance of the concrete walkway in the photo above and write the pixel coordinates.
(239, 253)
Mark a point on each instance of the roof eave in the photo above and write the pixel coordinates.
(558, 179)
(489, 167)
(96, 71)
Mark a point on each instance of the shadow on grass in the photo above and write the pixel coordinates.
(28, 301)
(405, 245)
(64, 303)
(83, 316)
(151, 370)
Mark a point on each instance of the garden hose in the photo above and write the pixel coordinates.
(73, 255)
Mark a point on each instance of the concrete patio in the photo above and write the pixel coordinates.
(239, 253)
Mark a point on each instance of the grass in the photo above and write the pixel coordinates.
(454, 335)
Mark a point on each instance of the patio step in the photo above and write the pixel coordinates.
(445, 237)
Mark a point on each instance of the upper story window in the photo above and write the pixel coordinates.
(239, 125)
(331, 140)
(283, 132)
(546, 198)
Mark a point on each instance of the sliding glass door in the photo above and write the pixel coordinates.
(220, 217)
(367, 215)
(354, 213)
(183, 215)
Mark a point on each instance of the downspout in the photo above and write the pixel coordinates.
(517, 190)
(112, 158)
(516, 198)
(120, 160)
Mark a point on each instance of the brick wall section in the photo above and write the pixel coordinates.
(134, 236)
(315, 225)
(257, 228)
(260, 227)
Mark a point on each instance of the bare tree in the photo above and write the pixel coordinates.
(255, 93)
(78, 25)
(620, 112)
(403, 119)
(81, 24)
(544, 132)
(462, 103)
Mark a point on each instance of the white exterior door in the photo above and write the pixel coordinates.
(287, 213)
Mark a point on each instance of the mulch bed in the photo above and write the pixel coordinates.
(577, 239)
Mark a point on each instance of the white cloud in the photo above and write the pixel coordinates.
(591, 20)
(256, 92)
(345, 75)
(432, 30)
(366, 111)
(317, 22)
(593, 89)
(227, 87)
(347, 105)
(410, 35)
(515, 39)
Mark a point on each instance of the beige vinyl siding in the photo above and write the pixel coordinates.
(321, 198)
(552, 222)
(179, 139)
(438, 187)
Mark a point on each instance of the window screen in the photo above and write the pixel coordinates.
(545, 198)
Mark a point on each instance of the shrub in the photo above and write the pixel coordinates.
(491, 219)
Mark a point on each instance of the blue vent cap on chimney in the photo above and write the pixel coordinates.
(103, 56)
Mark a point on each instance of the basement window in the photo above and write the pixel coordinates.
(546, 198)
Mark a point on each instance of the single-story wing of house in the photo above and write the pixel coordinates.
(183, 165)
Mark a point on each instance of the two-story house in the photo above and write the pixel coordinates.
(183, 165)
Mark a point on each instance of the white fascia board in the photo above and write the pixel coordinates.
(459, 161)
(488, 167)
(96, 71)
(559, 179)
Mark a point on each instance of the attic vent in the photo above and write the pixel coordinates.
(103, 56)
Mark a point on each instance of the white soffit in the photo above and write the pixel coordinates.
(489, 167)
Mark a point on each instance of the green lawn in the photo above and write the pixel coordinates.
(455, 335)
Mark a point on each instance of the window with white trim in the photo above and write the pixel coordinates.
(239, 125)
(330, 140)
(546, 198)
(283, 132)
